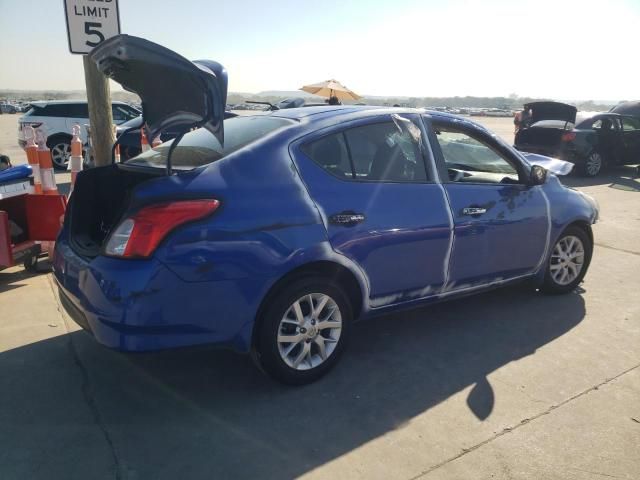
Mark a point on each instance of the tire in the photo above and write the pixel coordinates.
(592, 165)
(60, 152)
(302, 361)
(568, 261)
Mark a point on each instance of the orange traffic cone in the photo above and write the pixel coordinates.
(32, 157)
(117, 152)
(144, 142)
(75, 162)
(46, 165)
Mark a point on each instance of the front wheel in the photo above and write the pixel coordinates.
(303, 331)
(569, 261)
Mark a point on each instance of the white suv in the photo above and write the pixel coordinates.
(58, 117)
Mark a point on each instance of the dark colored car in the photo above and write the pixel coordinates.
(627, 108)
(273, 233)
(549, 128)
(129, 141)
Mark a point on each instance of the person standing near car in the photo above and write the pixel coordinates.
(520, 119)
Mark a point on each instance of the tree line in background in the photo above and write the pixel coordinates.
(512, 102)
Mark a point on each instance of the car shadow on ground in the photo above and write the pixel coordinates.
(199, 413)
(624, 177)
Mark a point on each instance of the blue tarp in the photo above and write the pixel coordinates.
(15, 173)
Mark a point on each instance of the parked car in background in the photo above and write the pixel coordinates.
(592, 144)
(8, 108)
(627, 108)
(129, 140)
(58, 117)
(271, 234)
(498, 112)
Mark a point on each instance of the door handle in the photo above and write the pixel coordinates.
(473, 211)
(346, 219)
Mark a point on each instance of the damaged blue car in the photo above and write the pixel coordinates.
(272, 234)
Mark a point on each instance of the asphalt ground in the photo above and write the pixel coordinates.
(510, 384)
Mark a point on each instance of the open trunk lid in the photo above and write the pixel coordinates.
(175, 92)
(539, 111)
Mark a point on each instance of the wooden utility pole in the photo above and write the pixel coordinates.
(100, 116)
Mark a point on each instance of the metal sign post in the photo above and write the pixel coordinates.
(88, 24)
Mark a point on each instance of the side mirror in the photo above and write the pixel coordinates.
(537, 175)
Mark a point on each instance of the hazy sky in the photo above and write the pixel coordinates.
(564, 49)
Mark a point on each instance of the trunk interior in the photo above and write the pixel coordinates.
(100, 197)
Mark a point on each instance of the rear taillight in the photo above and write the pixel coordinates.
(568, 137)
(139, 235)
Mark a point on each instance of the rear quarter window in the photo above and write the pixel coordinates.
(76, 110)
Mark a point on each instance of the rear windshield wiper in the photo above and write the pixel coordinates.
(272, 107)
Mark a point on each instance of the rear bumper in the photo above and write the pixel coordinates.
(140, 306)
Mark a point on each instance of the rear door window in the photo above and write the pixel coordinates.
(75, 110)
(379, 152)
(606, 124)
(331, 154)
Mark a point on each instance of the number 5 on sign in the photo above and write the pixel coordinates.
(90, 22)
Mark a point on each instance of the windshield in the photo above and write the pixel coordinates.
(200, 147)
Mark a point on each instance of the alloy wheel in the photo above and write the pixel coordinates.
(567, 260)
(60, 154)
(309, 331)
(593, 164)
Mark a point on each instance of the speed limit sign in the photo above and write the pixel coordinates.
(90, 22)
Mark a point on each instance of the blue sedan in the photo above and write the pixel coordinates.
(272, 234)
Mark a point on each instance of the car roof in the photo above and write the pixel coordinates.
(334, 115)
(323, 110)
(328, 111)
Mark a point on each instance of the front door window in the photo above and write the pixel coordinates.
(469, 160)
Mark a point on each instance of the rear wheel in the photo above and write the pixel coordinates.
(303, 331)
(569, 261)
(592, 165)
